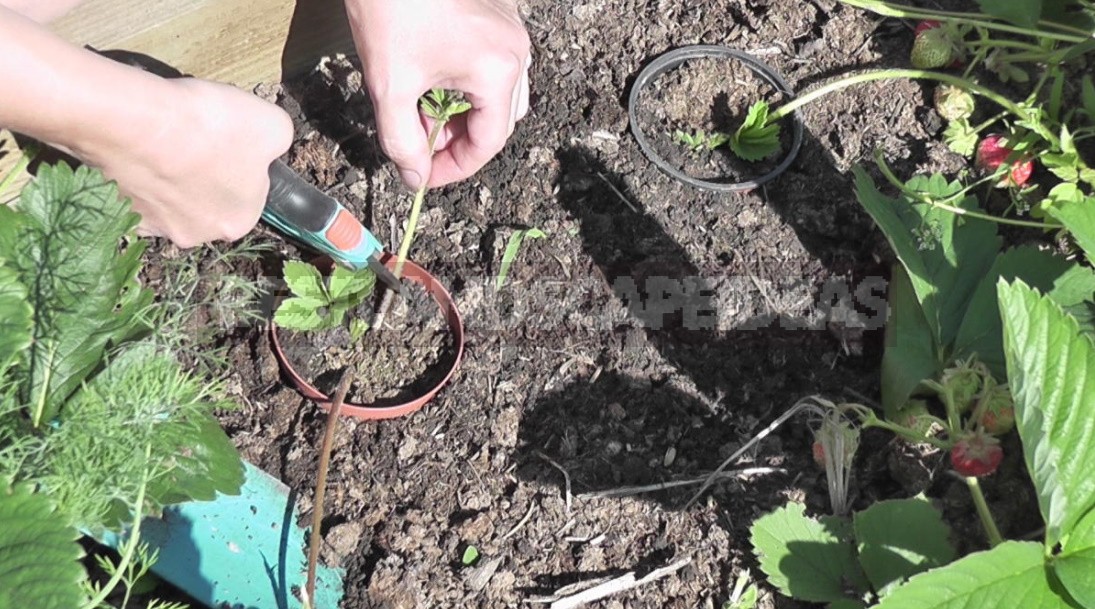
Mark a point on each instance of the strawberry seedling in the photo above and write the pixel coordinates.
(699, 140)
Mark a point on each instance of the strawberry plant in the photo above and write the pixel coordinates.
(99, 424)
(699, 140)
(321, 305)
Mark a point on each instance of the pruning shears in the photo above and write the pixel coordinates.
(294, 207)
(304, 213)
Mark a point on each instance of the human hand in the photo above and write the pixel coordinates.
(200, 172)
(477, 47)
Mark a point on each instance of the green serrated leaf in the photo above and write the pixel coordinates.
(352, 286)
(961, 137)
(299, 314)
(1078, 216)
(900, 538)
(304, 280)
(1012, 574)
(981, 331)
(1075, 566)
(802, 557)
(512, 247)
(755, 139)
(81, 282)
(910, 354)
(1051, 371)
(945, 268)
(16, 317)
(39, 556)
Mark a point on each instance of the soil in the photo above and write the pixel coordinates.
(656, 330)
(713, 96)
(398, 362)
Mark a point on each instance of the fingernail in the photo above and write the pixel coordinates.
(411, 178)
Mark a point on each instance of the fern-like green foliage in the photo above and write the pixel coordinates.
(756, 138)
(98, 424)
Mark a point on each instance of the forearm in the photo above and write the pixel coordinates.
(67, 96)
(42, 11)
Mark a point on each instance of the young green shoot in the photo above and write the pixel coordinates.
(512, 248)
(320, 305)
(470, 556)
(441, 106)
(699, 140)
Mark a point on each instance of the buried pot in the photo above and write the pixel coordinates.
(685, 105)
(439, 312)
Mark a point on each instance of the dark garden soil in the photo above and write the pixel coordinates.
(581, 375)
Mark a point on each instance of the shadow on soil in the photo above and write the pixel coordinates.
(617, 431)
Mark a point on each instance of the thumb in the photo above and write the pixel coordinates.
(403, 138)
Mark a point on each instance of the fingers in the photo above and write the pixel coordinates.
(403, 137)
(499, 98)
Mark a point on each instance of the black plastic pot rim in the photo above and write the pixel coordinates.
(675, 58)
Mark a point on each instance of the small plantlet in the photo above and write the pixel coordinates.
(512, 247)
(470, 556)
(757, 137)
(744, 594)
(442, 105)
(319, 305)
(699, 140)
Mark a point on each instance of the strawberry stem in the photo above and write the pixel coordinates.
(960, 211)
(975, 19)
(991, 532)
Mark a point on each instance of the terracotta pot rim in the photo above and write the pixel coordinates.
(441, 296)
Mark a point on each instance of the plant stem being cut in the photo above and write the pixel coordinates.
(441, 106)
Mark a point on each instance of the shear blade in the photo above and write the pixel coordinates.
(385, 275)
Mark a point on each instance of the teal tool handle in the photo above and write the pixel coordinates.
(305, 213)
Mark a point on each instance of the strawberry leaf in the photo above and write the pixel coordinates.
(39, 556)
(347, 284)
(299, 314)
(981, 331)
(1012, 574)
(1087, 97)
(1077, 213)
(1076, 564)
(1024, 13)
(1051, 372)
(755, 139)
(910, 355)
(900, 538)
(961, 137)
(805, 558)
(15, 317)
(304, 280)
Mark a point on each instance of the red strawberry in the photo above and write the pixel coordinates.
(976, 455)
(993, 151)
(819, 453)
(927, 24)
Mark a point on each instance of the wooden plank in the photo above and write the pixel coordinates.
(240, 42)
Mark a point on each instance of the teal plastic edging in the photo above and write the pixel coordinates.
(238, 551)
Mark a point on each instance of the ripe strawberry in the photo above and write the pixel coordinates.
(819, 453)
(976, 455)
(935, 45)
(997, 411)
(993, 151)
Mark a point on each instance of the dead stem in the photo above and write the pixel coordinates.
(321, 483)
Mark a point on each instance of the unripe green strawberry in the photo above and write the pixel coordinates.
(963, 382)
(914, 415)
(932, 48)
(953, 103)
(997, 411)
